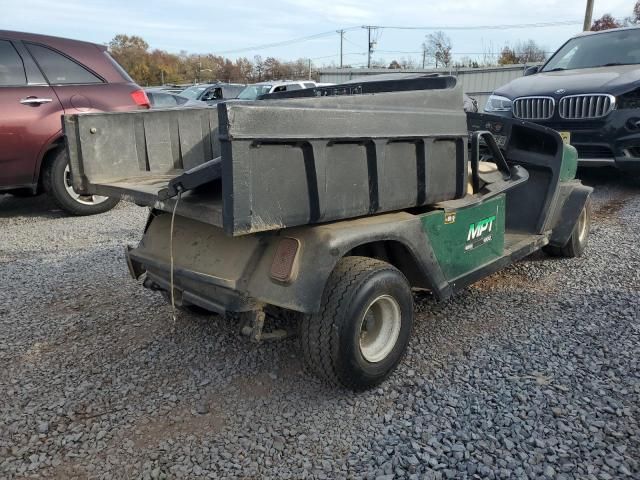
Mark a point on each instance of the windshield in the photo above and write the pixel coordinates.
(252, 92)
(193, 93)
(612, 48)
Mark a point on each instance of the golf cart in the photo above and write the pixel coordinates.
(333, 205)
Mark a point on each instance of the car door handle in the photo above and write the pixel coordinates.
(35, 101)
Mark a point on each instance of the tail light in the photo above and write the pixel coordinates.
(141, 99)
(284, 261)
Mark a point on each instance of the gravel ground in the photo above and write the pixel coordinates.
(531, 373)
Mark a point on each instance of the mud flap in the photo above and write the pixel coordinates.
(567, 212)
(136, 270)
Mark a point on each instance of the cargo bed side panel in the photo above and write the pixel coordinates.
(284, 163)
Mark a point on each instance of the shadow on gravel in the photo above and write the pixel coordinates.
(609, 177)
(613, 191)
(32, 207)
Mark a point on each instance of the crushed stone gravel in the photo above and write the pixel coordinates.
(533, 372)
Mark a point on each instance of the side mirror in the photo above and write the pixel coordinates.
(531, 70)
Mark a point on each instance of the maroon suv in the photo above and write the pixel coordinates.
(42, 78)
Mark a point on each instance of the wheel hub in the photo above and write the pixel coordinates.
(582, 225)
(379, 328)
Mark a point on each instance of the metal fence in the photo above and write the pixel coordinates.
(476, 82)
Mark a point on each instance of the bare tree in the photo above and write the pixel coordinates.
(407, 63)
(258, 67)
(530, 51)
(522, 52)
(437, 48)
(466, 62)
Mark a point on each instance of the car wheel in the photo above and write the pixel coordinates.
(57, 182)
(579, 236)
(363, 327)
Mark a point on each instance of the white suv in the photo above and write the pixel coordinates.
(252, 92)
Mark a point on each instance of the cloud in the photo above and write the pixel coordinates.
(198, 26)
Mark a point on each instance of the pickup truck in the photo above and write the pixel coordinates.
(333, 208)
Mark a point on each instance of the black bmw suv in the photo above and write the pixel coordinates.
(589, 91)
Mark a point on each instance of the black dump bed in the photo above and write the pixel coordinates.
(278, 163)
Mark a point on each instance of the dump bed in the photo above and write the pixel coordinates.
(280, 163)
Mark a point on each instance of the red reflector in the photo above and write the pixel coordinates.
(282, 268)
(141, 99)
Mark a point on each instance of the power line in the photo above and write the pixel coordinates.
(481, 27)
(453, 53)
(378, 28)
(335, 55)
(353, 43)
(284, 42)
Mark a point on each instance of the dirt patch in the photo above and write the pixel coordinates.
(256, 386)
(129, 337)
(68, 471)
(608, 211)
(514, 280)
(151, 430)
(36, 351)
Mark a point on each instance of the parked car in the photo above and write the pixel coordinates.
(213, 92)
(175, 88)
(589, 91)
(41, 78)
(252, 92)
(160, 98)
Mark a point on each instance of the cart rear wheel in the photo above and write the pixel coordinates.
(363, 327)
(579, 237)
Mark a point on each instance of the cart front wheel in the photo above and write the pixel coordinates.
(363, 327)
(579, 237)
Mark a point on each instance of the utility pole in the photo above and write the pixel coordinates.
(309, 69)
(369, 51)
(370, 44)
(424, 56)
(588, 14)
(341, 32)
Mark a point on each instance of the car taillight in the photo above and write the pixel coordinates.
(141, 99)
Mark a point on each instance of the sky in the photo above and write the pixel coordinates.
(244, 27)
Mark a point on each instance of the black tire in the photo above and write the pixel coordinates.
(579, 236)
(54, 181)
(332, 340)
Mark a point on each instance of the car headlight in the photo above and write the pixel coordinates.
(497, 103)
(629, 100)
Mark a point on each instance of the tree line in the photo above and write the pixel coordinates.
(157, 67)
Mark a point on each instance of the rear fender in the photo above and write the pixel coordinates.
(402, 233)
(206, 260)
